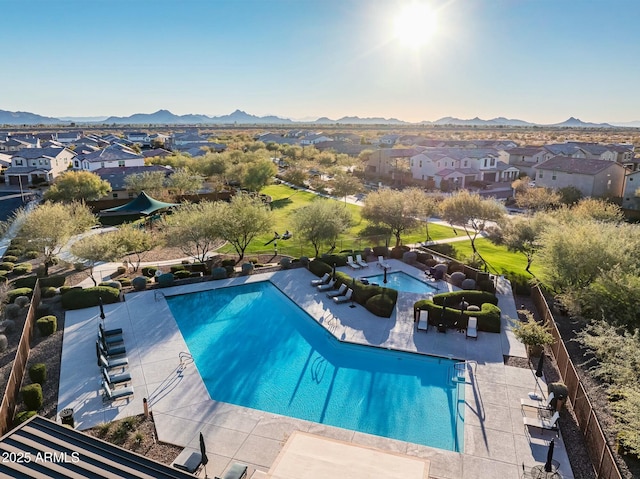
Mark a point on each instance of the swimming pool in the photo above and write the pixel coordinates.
(254, 347)
(402, 282)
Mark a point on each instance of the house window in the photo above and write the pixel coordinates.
(465, 163)
(539, 174)
(115, 195)
(102, 164)
(493, 162)
(76, 164)
(130, 194)
(121, 163)
(18, 162)
(420, 163)
(553, 176)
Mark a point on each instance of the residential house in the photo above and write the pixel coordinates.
(36, 165)
(112, 156)
(631, 191)
(13, 145)
(117, 178)
(68, 137)
(386, 140)
(592, 177)
(139, 137)
(566, 150)
(524, 158)
(313, 138)
(156, 152)
(392, 162)
(345, 147)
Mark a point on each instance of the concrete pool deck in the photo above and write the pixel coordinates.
(159, 362)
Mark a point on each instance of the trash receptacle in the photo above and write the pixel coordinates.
(66, 416)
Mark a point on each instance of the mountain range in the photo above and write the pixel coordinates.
(165, 117)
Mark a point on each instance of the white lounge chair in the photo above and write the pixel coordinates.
(325, 278)
(339, 292)
(472, 328)
(543, 422)
(539, 403)
(360, 261)
(382, 263)
(345, 298)
(352, 263)
(328, 286)
(423, 320)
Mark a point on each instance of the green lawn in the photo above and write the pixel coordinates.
(286, 200)
(498, 257)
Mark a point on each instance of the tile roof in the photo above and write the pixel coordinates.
(110, 153)
(581, 166)
(32, 153)
(117, 176)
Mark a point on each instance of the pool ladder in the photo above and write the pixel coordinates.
(458, 373)
(185, 359)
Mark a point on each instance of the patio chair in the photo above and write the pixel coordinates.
(328, 286)
(109, 340)
(423, 320)
(539, 404)
(360, 261)
(325, 279)
(339, 292)
(236, 471)
(109, 332)
(345, 298)
(352, 264)
(115, 394)
(114, 363)
(543, 422)
(382, 263)
(189, 461)
(472, 328)
(109, 351)
(114, 379)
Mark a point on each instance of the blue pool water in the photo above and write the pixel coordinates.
(256, 348)
(402, 282)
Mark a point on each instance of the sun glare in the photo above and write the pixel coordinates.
(415, 24)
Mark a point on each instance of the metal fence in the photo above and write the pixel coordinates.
(8, 407)
(597, 446)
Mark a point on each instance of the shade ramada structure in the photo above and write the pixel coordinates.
(142, 205)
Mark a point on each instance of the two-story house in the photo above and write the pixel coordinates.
(524, 158)
(34, 165)
(139, 137)
(598, 178)
(631, 191)
(112, 156)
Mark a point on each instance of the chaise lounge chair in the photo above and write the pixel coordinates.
(472, 328)
(236, 471)
(344, 298)
(423, 320)
(382, 263)
(539, 404)
(115, 394)
(352, 263)
(109, 332)
(113, 363)
(325, 279)
(109, 340)
(109, 351)
(114, 379)
(543, 422)
(339, 292)
(328, 286)
(361, 262)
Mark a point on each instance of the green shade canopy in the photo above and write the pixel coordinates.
(142, 205)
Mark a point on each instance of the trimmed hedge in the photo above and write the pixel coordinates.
(66, 289)
(7, 266)
(149, 271)
(47, 325)
(32, 396)
(219, 273)
(180, 274)
(364, 294)
(48, 292)
(14, 293)
(488, 316)
(338, 259)
(319, 268)
(22, 268)
(111, 284)
(55, 280)
(88, 297)
(383, 304)
(177, 267)
(32, 254)
(38, 373)
(23, 416)
(26, 282)
(10, 259)
(165, 280)
(139, 283)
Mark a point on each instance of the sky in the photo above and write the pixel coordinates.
(536, 60)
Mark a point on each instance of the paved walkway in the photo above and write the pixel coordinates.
(494, 438)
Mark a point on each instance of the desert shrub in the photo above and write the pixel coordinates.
(22, 301)
(229, 262)
(55, 280)
(457, 278)
(12, 311)
(304, 261)
(32, 254)
(7, 266)
(247, 268)
(111, 284)
(165, 280)
(32, 396)
(468, 284)
(398, 251)
(139, 283)
(149, 271)
(445, 249)
(79, 266)
(455, 267)
(9, 325)
(219, 273)
(381, 251)
(180, 274)
(198, 268)
(22, 268)
(382, 304)
(15, 252)
(43, 310)
(285, 263)
(319, 267)
(453, 298)
(13, 294)
(4, 343)
(423, 257)
(23, 416)
(177, 267)
(48, 292)
(38, 373)
(10, 259)
(486, 285)
(66, 289)
(330, 259)
(520, 283)
(125, 281)
(120, 270)
(431, 262)
(88, 297)
(47, 325)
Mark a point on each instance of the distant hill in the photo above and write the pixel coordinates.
(242, 117)
(25, 118)
(356, 120)
(626, 124)
(448, 120)
(577, 123)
